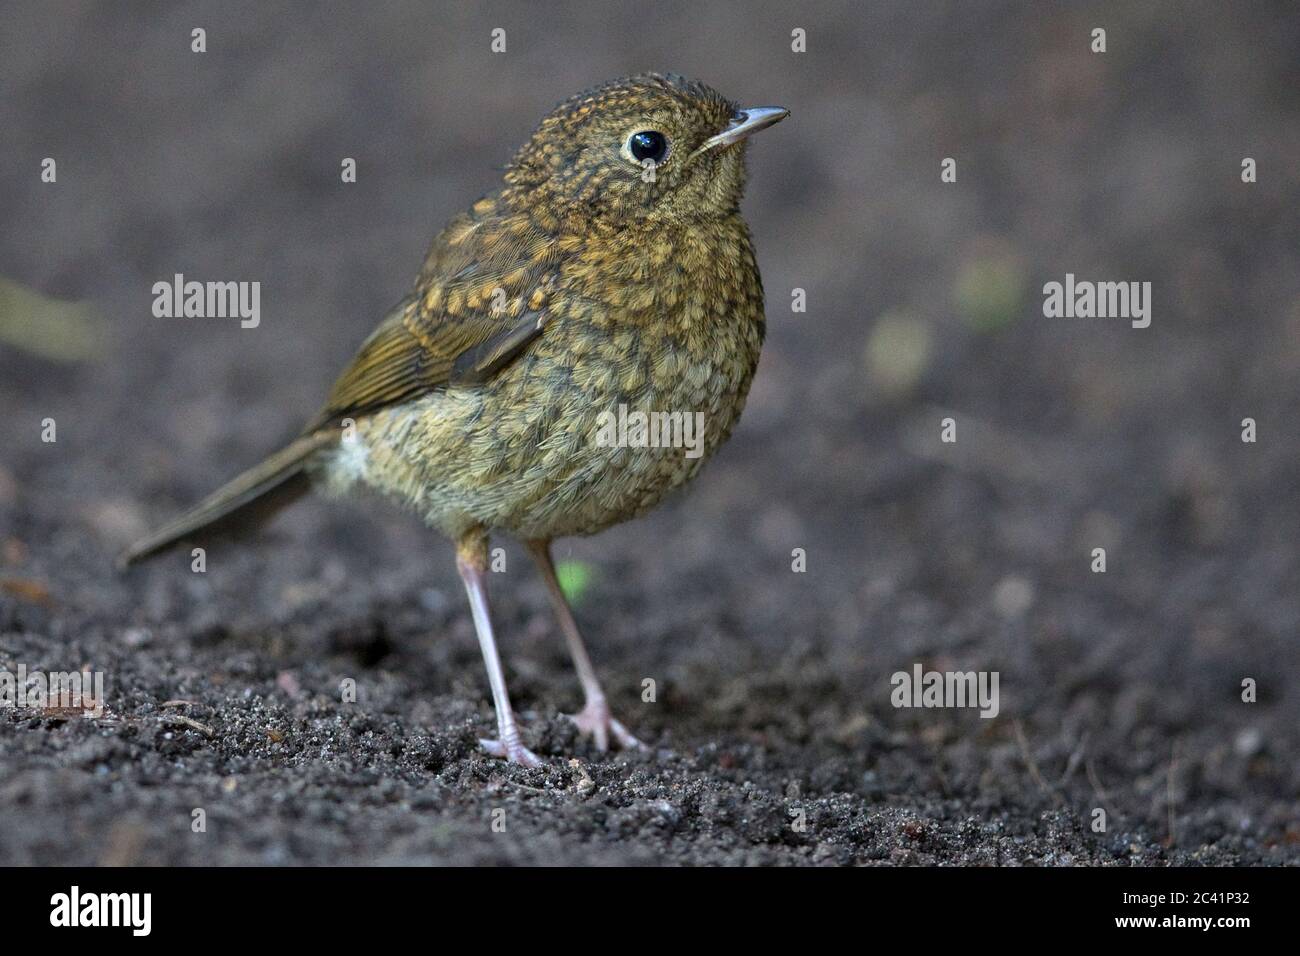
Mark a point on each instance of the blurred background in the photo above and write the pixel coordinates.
(924, 301)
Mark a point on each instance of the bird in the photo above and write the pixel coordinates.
(610, 274)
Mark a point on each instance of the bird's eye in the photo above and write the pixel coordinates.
(648, 144)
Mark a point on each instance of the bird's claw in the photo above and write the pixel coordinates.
(595, 721)
(513, 751)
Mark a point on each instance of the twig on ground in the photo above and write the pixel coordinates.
(1097, 787)
(191, 723)
(1033, 765)
(1076, 758)
(1172, 838)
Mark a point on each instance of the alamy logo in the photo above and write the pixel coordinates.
(65, 690)
(134, 910)
(923, 688)
(208, 300)
(1098, 300)
(635, 429)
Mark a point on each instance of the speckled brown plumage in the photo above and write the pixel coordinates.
(646, 295)
(589, 281)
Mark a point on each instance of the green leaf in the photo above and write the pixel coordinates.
(575, 578)
(991, 290)
(51, 329)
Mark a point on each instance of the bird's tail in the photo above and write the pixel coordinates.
(243, 502)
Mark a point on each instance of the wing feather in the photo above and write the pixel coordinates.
(454, 328)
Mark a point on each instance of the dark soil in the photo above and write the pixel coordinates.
(773, 736)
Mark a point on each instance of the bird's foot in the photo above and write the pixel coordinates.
(513, 750)
(595, 721)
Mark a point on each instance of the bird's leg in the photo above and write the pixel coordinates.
(471, 561)
(595, 718)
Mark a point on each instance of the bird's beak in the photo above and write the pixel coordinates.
(746, 122)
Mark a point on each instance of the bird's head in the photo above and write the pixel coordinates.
(645, 147)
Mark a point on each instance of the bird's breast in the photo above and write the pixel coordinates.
(641, 374)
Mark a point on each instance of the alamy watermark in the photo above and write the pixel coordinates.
(60, 690)
(1084, 299)
(637, 429)
(208, 300)
(133, 911)
(922, 688)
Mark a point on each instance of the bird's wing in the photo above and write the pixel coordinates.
(480, 300)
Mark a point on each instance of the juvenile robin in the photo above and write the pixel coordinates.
(611, 270)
